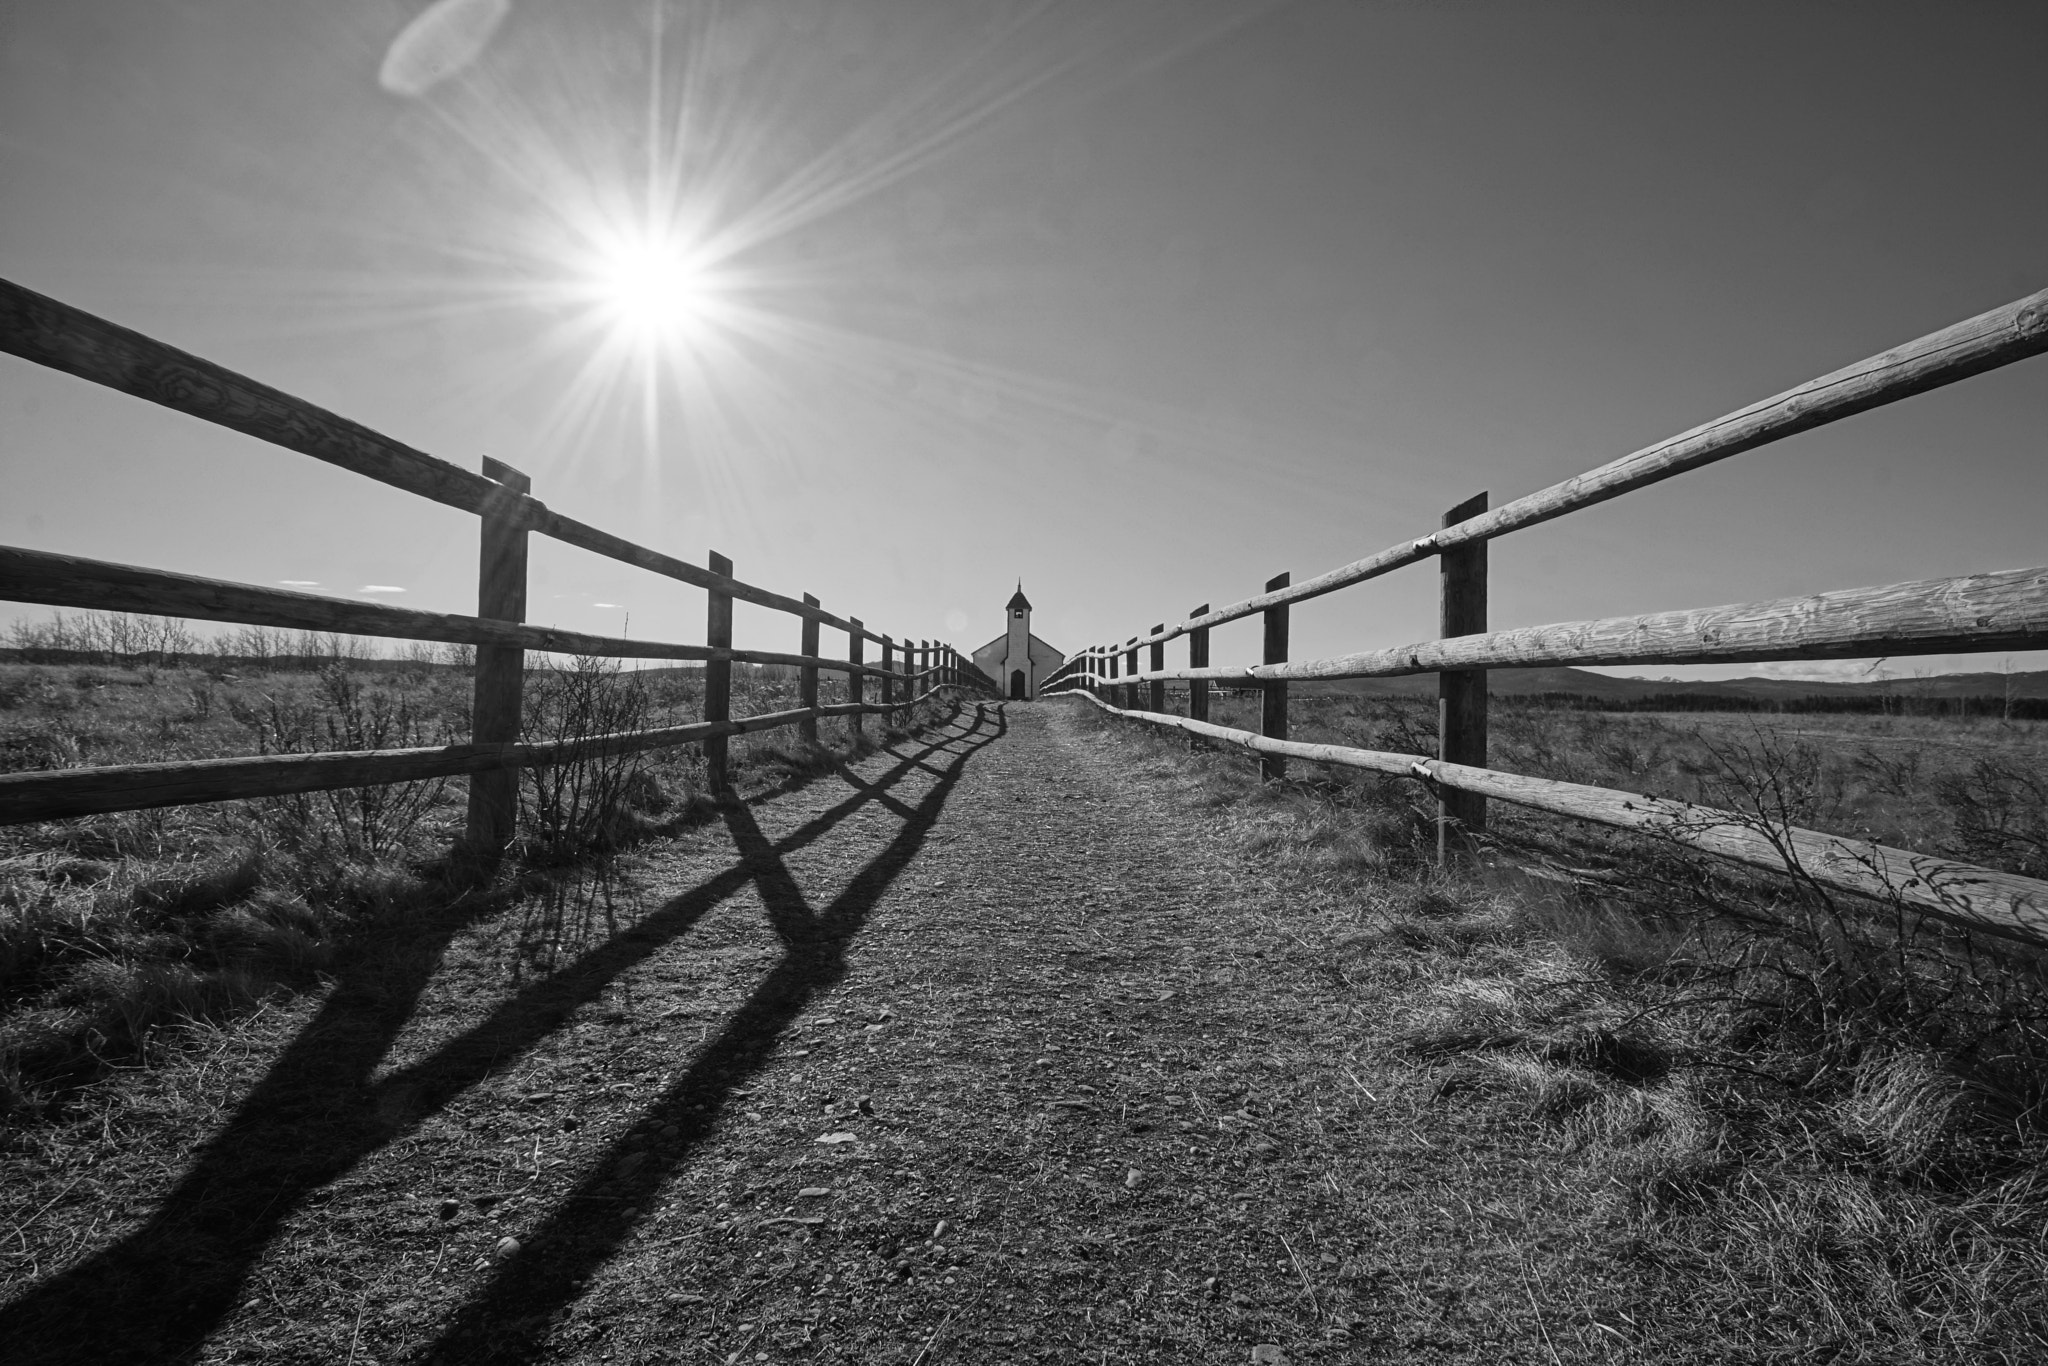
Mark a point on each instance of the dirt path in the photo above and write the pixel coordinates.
(987, 1049)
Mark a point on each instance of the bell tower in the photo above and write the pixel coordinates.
(1019, 679)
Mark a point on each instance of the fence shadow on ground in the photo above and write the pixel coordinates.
(157, 1293)
(508, 1321)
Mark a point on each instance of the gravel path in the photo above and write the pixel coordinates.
(991, 1048)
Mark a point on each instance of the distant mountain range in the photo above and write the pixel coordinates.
(1600, 688)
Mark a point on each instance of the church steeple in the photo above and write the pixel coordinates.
(1019, 676)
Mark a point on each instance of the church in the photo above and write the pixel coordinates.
(1016, 659)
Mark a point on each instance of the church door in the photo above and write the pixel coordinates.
(1017, 684)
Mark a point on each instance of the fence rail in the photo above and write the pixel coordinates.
(2000, 611)
(1988, 341)
(61, 337)
(70, 581)
(2007, 610)
(28, 797)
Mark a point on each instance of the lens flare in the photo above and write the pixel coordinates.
(447, 37)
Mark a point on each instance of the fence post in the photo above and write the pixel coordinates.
(1198, 658)
(718, 678)
(807, 676)
(1461, 693)
(1273, 717)
(1131, 671)
(500, 669)
(1158, 663)
(1112, 691)
(856, 684)
(888, 697)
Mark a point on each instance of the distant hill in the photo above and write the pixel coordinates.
(1602, 690)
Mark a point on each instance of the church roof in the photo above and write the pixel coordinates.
(1018, 602)
(1036, 646)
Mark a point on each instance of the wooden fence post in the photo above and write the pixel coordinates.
(1461, 693)
(500, 669)
(1198, 658)
(888, 697)
(1112, 691)
(856, 684)
(807, 676)
(718, 678)
(1273, 767)
(1131, 669)
(1158, 663)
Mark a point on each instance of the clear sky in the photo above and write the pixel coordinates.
(896, 302)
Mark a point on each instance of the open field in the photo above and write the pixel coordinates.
(1971, 787)
(118, 929)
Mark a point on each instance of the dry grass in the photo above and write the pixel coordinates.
(121, 934)
(1805, 1131)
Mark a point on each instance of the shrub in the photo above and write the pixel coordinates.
(587, 804)
(2000, 811)
(360, 823)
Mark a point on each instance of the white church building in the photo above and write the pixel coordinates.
(1016, 659)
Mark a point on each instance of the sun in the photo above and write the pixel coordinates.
(651, 287)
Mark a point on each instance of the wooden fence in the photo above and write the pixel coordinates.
(2005, 610)
(64, 338)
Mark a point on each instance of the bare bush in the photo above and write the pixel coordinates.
(2001, 815)
(357, 822)
(589, 803)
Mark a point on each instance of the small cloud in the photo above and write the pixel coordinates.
(300, 583)
(1828, 671)
(619, 606)
(380, 588)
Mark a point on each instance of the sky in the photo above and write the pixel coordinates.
(1138, 302)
